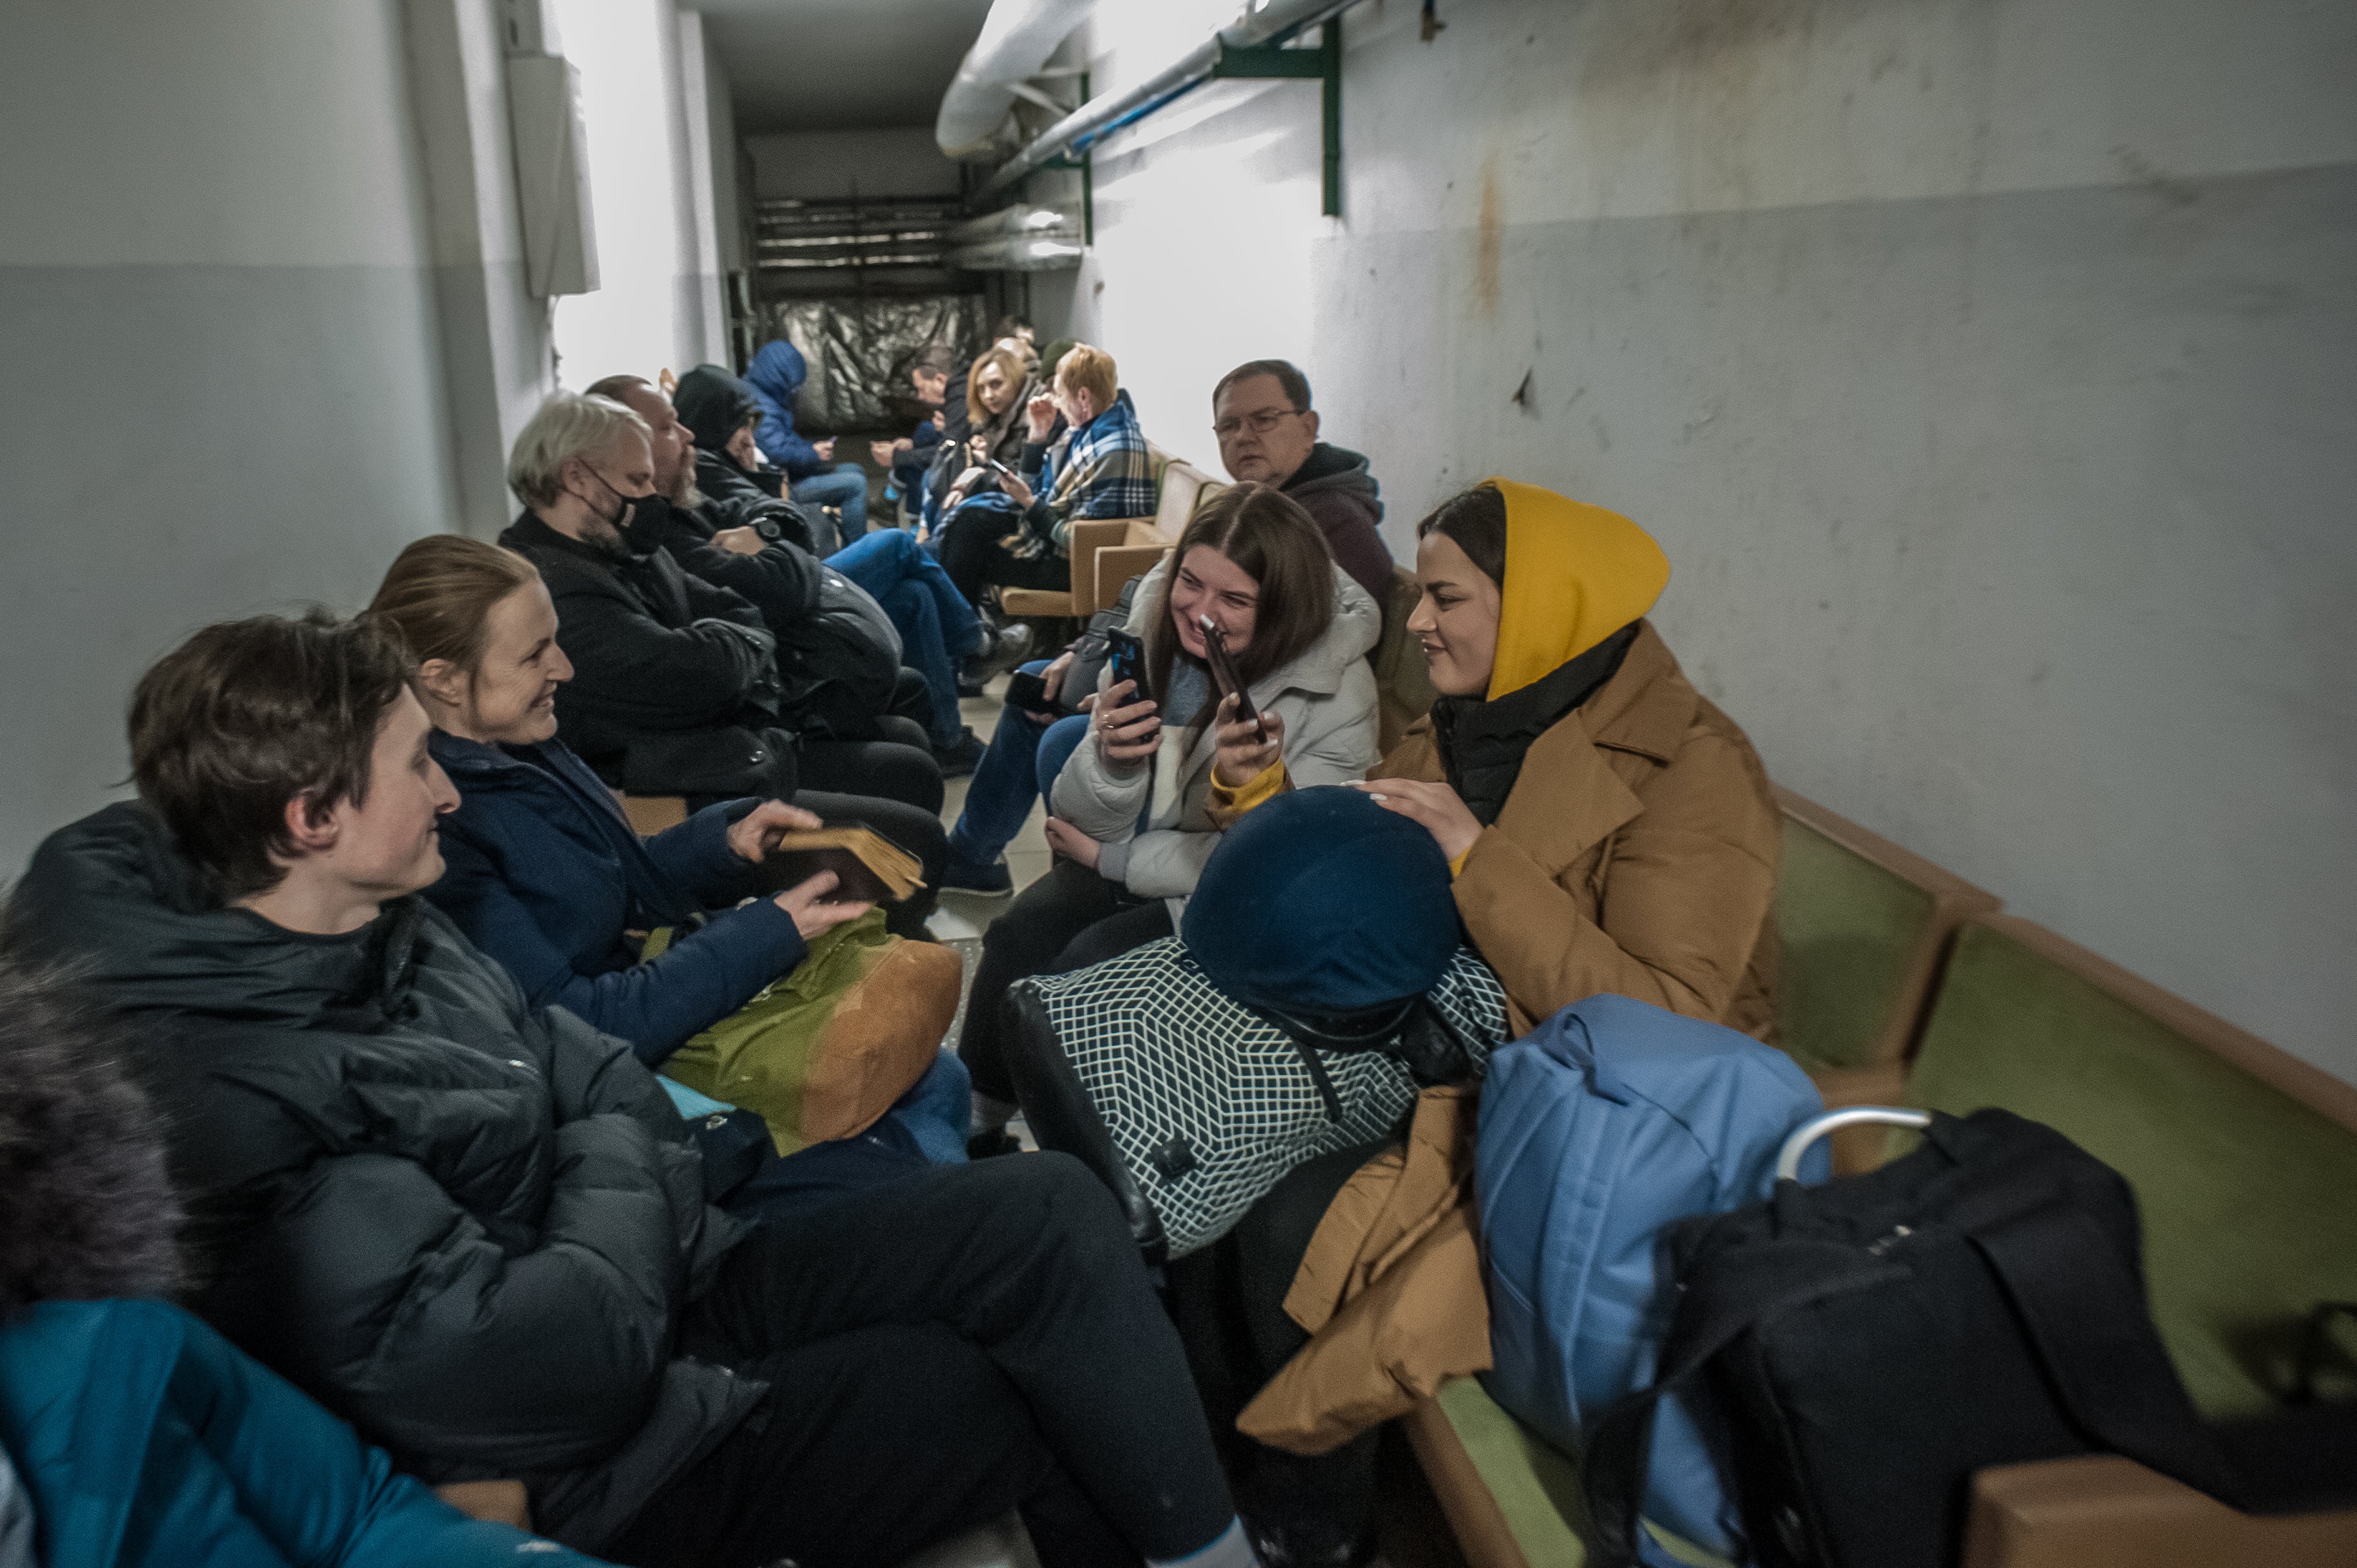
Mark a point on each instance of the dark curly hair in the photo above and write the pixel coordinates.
(86, 1207)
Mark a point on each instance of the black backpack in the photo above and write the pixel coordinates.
(1863, 1346)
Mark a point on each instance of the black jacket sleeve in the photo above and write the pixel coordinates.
(664, 678)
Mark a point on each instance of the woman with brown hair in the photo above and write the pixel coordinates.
(1142, 803)
(543, 871)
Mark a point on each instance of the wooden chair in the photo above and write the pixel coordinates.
(653, 814)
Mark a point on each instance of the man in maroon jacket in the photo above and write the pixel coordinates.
(1268, 435)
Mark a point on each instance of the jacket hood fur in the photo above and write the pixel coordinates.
(86, 1208)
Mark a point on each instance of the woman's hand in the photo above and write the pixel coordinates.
(883, 452)
(1017, 491)
(757, 832)
(1246, 750)
(1074, 844)
(963, 486)
(1041, 412)
(1436, 806)
(813, 911)
(1127, 733)
(1052, 680)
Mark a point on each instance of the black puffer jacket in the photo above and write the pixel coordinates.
(465, 1227)
(838, 652)
(675, 679)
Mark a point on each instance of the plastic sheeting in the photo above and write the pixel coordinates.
(859, 351)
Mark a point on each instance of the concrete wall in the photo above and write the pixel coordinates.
(1988, 370)
(835, 166)
(216, 317)
(658, 304)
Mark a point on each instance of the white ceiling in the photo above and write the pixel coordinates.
(823, 65)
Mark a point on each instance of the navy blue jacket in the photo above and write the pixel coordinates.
(544, 873)
(775, 378)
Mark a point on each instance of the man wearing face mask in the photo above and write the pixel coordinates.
(676, 686)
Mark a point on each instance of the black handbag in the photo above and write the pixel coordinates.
(1855, 1351)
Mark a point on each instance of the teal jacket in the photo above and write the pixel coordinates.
(145, 1437)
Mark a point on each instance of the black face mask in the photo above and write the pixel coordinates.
(634, 513)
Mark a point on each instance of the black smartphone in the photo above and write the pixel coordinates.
(1029, 692)
(1126, 658)
(1223, 671)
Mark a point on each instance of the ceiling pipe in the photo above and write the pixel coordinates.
(1017, 39)
(1020, 218)
(1261, 21)
(1022, 253)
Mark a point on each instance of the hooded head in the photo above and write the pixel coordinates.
(779, 370)
(1322, 902)
(1563, 576)
(712, 404)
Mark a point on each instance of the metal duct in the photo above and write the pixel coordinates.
(1263, 21)
(1017, 39)
(1019, 218)
(1023, 253)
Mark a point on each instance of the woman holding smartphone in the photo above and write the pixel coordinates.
(1168, 763)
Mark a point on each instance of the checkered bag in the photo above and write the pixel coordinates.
(1191, 1105)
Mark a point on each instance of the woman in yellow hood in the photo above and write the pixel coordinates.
(1612, 831)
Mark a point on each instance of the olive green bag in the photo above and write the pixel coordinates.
(825, 1048)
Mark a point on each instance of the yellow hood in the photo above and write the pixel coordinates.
(1574, 574)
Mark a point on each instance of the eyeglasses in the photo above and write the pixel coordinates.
(1261, 421)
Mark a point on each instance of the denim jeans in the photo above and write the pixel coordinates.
(845, 486)
(1019, 767)
(937, 627)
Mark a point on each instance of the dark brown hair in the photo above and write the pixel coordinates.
(1296, 384)
(1475, 521)
(1266, 533)
(249, 714)
(439, 592)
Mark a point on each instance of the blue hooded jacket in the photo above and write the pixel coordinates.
(543, 874)
(144, 1437)
(776, 375)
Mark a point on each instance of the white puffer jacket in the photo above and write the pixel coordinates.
(1326, 699)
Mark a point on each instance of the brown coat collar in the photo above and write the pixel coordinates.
(1568, 800)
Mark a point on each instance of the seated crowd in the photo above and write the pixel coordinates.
(383, 1015)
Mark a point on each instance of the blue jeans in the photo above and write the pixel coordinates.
(845, 486)
(1019, 767)
(937, 627)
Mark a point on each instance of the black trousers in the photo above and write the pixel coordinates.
(1070, 919)
(976, 561)
(1228, 1301)
(896, 770)
(968, 1339)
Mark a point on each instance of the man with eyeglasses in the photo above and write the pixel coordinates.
(1268, 435)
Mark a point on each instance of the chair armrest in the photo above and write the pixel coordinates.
(2100, 1511)
(653, 814)
(1082, 539)
(1120, 564)
(494, 1502)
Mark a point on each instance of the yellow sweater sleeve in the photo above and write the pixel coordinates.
(1226, 805)
(1457, 866)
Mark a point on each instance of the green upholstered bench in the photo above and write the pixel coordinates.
(1864, 925)
(2245, 1163)
(1512, 1497)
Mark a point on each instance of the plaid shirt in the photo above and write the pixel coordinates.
(1105, 471)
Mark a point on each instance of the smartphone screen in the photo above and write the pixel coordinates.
(1126, 656)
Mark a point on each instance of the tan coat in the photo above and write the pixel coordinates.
(1635, 856)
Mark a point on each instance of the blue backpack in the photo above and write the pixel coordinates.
(1599, 1127)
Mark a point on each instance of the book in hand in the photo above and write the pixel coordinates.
(869, 868)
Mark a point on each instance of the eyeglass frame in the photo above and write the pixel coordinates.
(1251, 422)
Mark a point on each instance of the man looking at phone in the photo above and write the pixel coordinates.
(813, 476)
(1268, 435)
